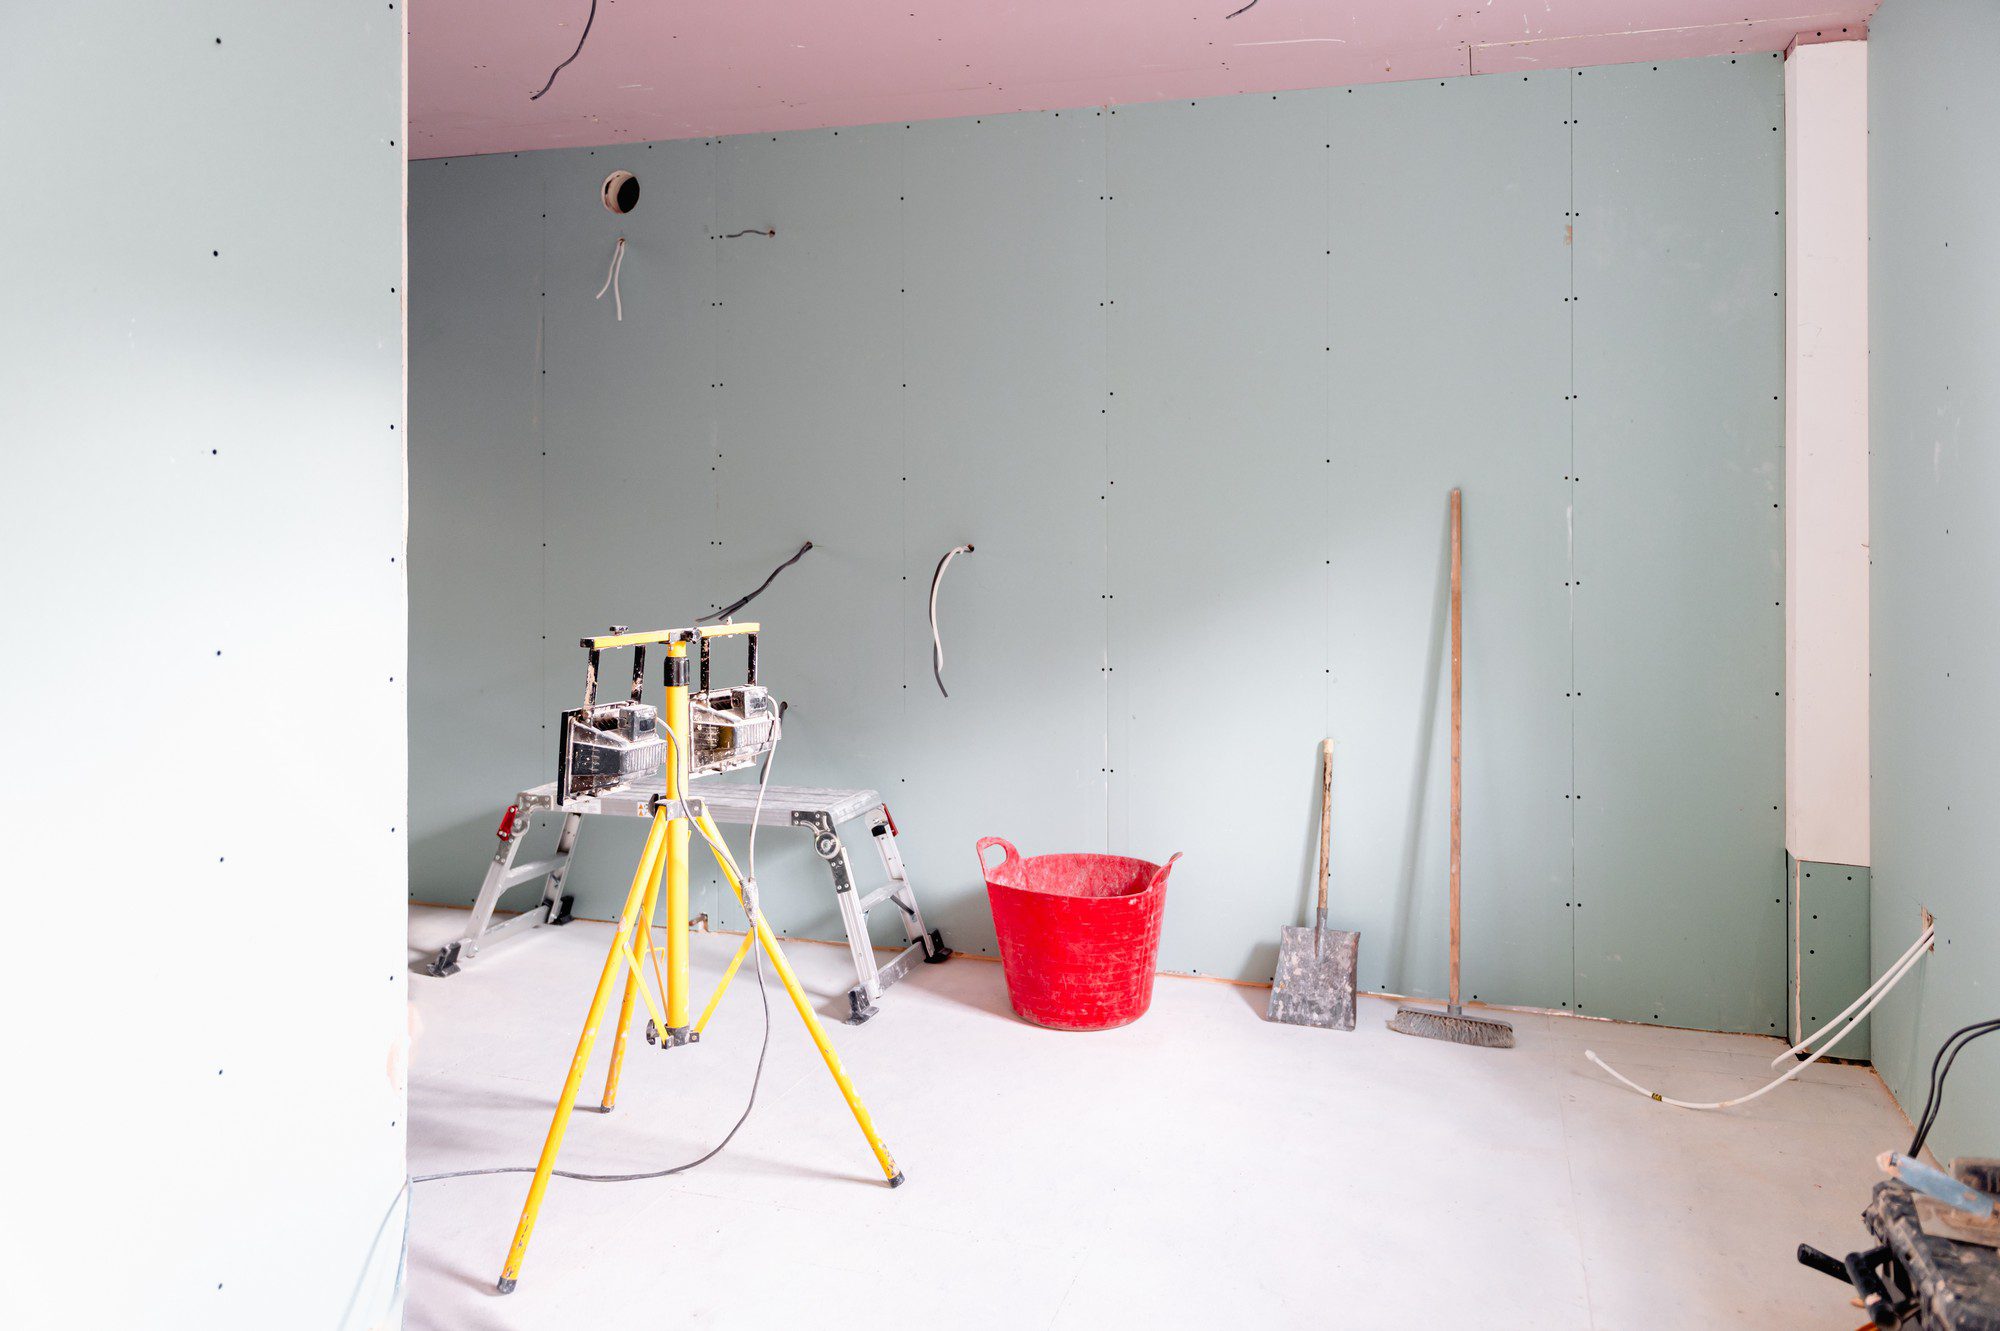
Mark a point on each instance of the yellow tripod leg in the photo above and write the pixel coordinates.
(805, 1010)
(715, 1000)
(641, 942)
(641, 881)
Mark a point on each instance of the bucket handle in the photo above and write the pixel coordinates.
(1161, 877)
(1011, 860)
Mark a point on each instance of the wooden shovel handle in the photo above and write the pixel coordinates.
(1325, 824)
(1457, 705)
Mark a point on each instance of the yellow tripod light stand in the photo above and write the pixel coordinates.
(705, 730)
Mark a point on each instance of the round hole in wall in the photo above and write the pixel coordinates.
(621, 191)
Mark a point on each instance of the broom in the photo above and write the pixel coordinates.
(1452, 1023)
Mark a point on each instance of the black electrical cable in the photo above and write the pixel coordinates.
(1250, 6)
(1947, 1054)
(937, 643)
(1941, 1063)
(752, 231)
(739, 603)
(750, 1104)
(537, 96)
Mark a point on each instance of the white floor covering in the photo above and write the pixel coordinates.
(1201, 1167)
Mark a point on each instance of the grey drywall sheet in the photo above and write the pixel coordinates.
(1116, 333)
(1679, 177)
(203, 378)
(1828, 925)
(477, 703)
(628, 427)
(1216, 401)
(1935, 546)
(1450, 356)
(810, 448)
(1003, 225)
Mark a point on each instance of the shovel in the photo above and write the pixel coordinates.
(1315, 981)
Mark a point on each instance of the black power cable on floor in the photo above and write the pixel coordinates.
(1947, 1054)
(752, 910)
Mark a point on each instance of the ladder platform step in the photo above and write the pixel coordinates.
(521, 873)
(880, 895)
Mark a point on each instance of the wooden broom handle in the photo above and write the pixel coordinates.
(1457, 705)
(1325, 825)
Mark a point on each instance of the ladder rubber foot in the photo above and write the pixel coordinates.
(506, 1285)
(934, 949)
(895, 1182)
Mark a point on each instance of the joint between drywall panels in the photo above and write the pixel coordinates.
(1569, 536)
(1104, 508)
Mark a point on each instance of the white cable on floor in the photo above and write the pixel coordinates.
(611, 280)
(937, 643)
(1860, 998)
(1890, 980)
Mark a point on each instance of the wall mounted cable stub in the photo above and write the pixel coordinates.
(611, 280)
(750, 231)
(620, 192)
(937, 643)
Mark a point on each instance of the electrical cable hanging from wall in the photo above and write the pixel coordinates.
(1819, 1041)
(1947, 1054)
(742, 601)
(537, 96)
(751, 231)
(937, 643)
(611, 279)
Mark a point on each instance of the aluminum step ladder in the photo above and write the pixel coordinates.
(822, 812)
(502, 875)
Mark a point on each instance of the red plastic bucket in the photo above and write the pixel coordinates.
(1079, 934)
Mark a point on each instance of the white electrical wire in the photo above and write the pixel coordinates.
(1861, 998)
(937, 643)
(1889, 981)
(611, 280)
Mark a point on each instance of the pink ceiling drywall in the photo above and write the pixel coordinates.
(668, 69)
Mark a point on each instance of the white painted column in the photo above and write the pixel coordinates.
(1826, 452)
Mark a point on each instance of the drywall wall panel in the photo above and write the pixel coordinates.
(203, 372)
(1827, 927)
(1003, 427)
(629, 421)
(1826, 452)
(1195, 381)
(1679, 542)
(1215, 498)
(1935, 545)
(809, 445)
(1451, 196)
(476, 558)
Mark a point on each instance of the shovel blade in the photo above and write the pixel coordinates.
(1315, 981)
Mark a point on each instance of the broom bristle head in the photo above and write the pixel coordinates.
(1453, 1026)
